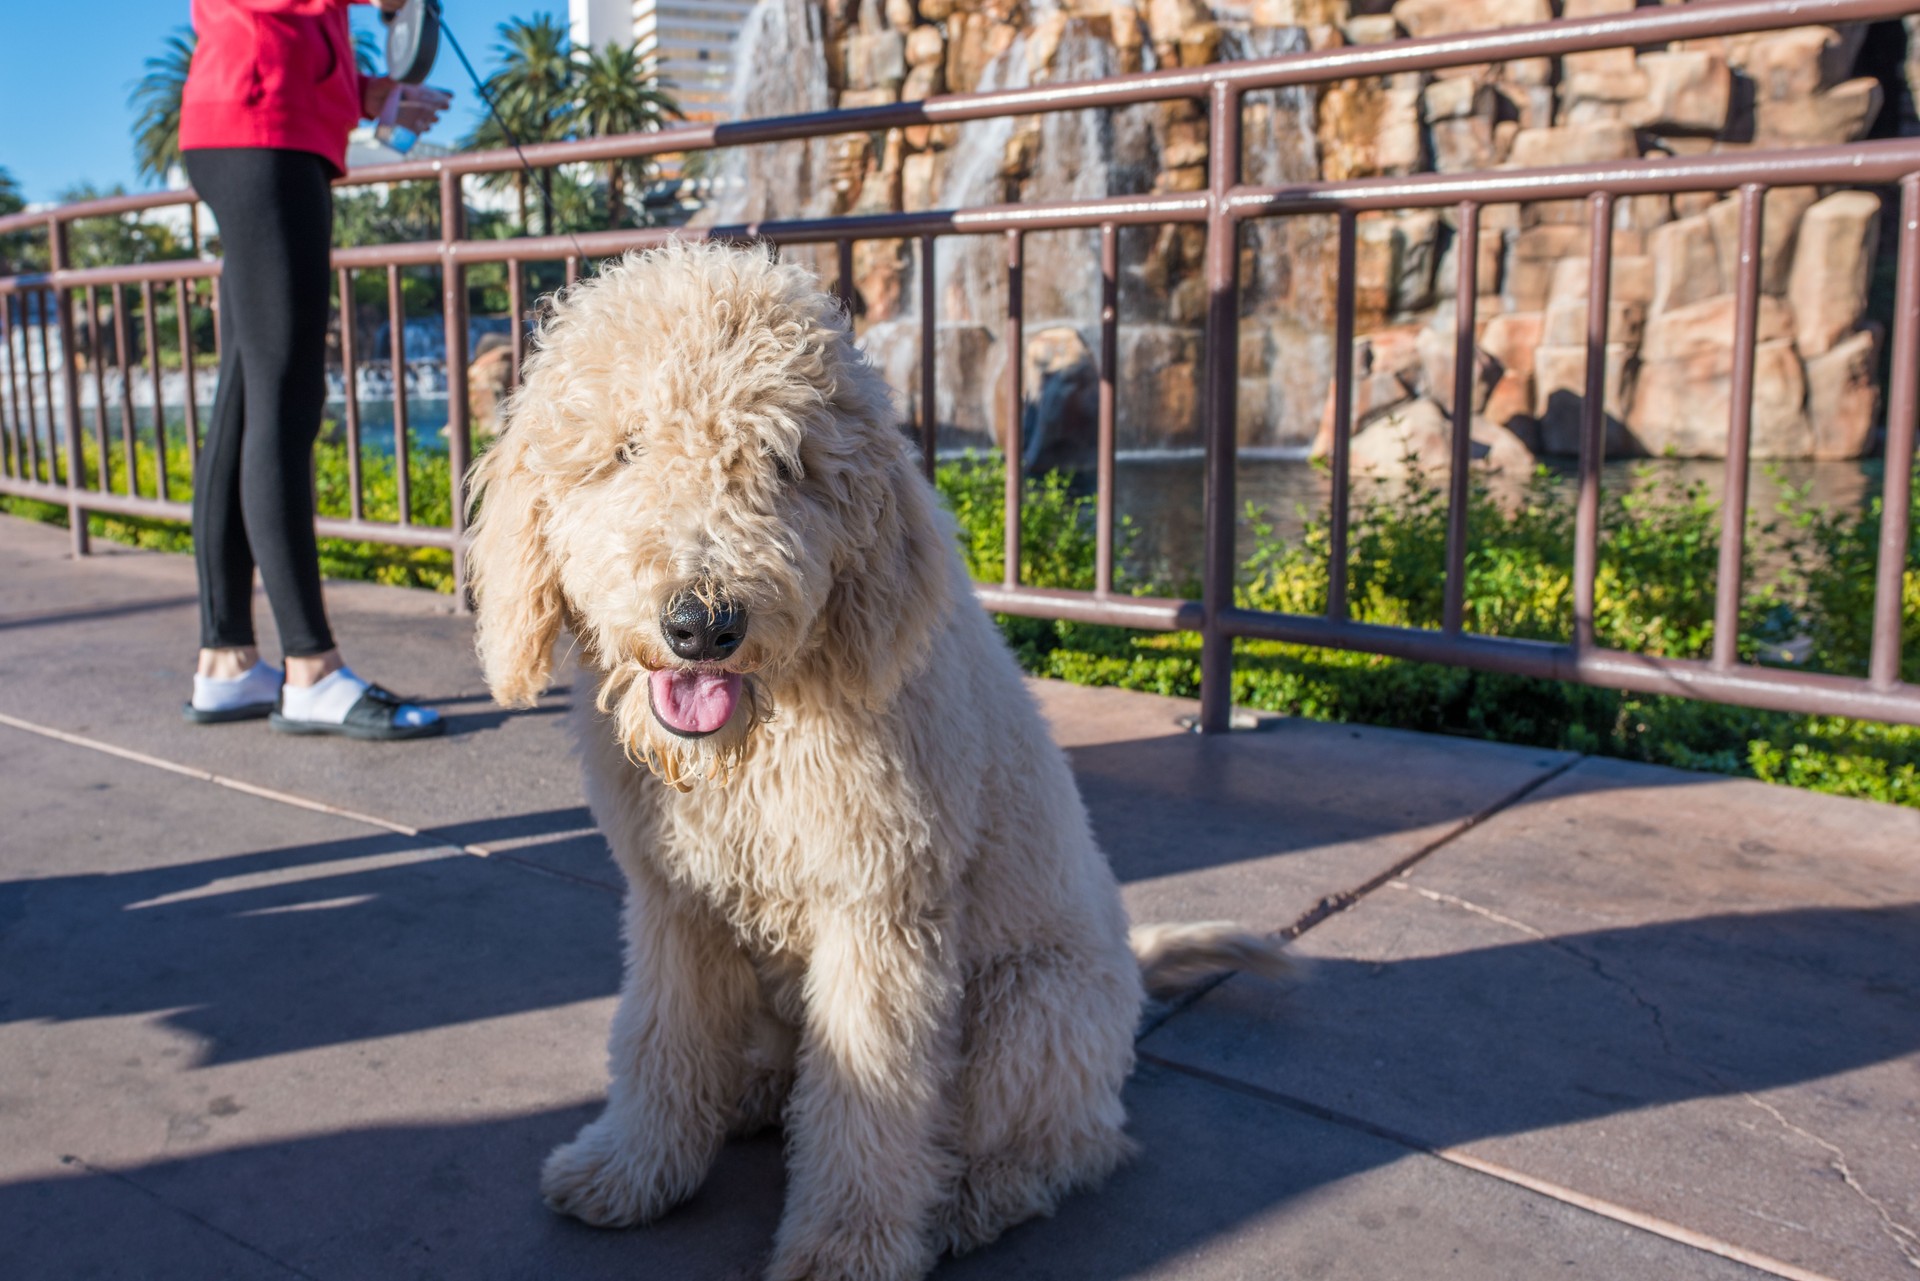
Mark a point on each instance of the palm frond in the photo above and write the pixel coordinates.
(156, 104)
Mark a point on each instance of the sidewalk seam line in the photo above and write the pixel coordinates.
(1345, 900)
(294, 800)
(1624, 1215)
(101, 1171)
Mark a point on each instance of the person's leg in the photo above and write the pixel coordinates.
(230, 682)
(277, 228)
(278, 270)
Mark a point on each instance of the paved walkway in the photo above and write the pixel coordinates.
(275, 1007)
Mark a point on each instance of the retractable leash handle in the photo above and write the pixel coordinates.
(413, 40)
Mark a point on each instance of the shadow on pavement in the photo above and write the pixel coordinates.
(333, 942)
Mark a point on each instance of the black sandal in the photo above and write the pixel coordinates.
(371, 718)
(245, 712)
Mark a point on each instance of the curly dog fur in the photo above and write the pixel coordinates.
(868, 906)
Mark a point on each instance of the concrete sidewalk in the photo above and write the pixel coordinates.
(282, 1007)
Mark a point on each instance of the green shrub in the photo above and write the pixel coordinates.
(428, 500)
(1653, 594)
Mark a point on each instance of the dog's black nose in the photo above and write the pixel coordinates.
(701, 634)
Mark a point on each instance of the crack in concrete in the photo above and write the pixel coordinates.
(1592, 963)
(1904, 1238)
(105, 1172)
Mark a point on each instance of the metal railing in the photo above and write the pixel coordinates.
(1221, 209)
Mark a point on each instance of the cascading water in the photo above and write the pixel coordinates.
(1077, 155)
(1288, 297)
(778, 180)
(1080, 155)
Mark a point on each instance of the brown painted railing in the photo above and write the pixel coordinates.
(27, 433)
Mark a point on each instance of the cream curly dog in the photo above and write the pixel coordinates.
(863, 897)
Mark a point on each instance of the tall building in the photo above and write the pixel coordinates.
(689, 43)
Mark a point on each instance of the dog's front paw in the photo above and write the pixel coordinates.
(606, 1178)
(845, 1251)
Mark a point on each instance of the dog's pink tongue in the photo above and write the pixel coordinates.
(694, 702)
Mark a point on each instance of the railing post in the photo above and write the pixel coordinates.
(70, 389)
(1016, 403)
(1222, 372)
(1593, 422)
(1903, 405)
(453, 286)
(1733, 494)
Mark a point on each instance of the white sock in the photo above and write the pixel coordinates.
(259, 684)
(328, 700)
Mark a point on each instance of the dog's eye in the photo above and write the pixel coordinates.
(781, 467)
(628, 452)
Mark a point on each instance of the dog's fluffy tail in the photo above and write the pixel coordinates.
(1173, 957)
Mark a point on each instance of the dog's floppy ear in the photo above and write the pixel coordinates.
(894, 594)
(516, 587)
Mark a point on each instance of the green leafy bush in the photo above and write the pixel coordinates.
(1653, 594)
(428, 500)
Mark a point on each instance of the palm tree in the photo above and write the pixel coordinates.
(618, 94)
(156, 102)
(532, 92)
(16, 248)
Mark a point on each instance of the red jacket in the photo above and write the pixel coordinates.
(272, 73)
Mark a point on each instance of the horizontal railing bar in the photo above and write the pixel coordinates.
(1886, 161)
(133, 273)
(1763, 687)
(100, 207)
(1058, 215)
(1149, 613)
(1773, 689)
(365, 531)
(1858, 163)
(1645, 26)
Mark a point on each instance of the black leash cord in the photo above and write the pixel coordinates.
(546, 196)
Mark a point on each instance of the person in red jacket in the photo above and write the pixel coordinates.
(271, 95)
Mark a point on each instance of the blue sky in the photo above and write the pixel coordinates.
(66, 70)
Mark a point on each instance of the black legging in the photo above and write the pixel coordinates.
(253, 491)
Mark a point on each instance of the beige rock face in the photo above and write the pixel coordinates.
(488, 378)
(926, 47)
(1417, 436)
(1686, 93)
(874, 61)
(1831, 268)
(1681, 408)
(1842, 114)
(1560, 394)
(1445, 17)
(1686, 263)
(1532, 258)
(1438, 350)
(1511, 338)
(1675, 258)
(1780, 215)
(1585, 144)
(1843, 396)
(1707, 326)
(1394, 260)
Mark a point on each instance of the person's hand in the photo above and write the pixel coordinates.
(418, 108)
(373, 95)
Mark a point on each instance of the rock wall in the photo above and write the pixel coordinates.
(1669, 361)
